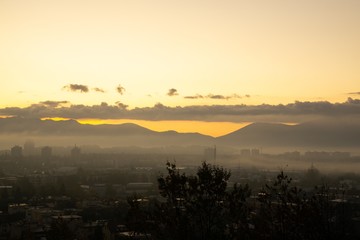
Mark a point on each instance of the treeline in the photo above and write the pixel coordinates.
(203, 206)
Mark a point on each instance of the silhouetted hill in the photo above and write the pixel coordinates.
(324, 133)
(256, 134)
(66, 127)
(70, 131)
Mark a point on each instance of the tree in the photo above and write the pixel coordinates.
(279, 215)
(239, 212)
(201, 206)
(288, 212)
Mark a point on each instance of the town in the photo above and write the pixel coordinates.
(44, 194)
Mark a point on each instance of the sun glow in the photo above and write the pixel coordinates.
(214, 129)
(55, 119)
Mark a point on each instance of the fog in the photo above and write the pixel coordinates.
(331, 145)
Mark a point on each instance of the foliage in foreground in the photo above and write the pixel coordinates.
(203, 206)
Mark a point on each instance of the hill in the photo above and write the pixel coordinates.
(324, 133)
(70, 132)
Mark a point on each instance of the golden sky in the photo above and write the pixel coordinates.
(248, 52)
(214, 129)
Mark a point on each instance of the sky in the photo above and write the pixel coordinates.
(140, 56)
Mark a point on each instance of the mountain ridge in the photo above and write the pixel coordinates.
(324, 133)
(109, 134)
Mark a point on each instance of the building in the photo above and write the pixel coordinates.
(210, 154)
(75, 152)
(29, 148)
(255, 152)
(16, 152)
(46, 152)
(140, 188)
(245, 152)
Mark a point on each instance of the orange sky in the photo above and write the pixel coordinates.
(275, 51)
(209, 52)
(214, 129)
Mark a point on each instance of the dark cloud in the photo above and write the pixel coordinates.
(54, 103)
(120, 89)
(159, 106)
(216, 96)
(82, 88)
(122, 105)
(77, 88)
(293, 112)
(354, 93)
(96, 89)
(353, 101)
(223, 97)
(172, 92)
(197, 96)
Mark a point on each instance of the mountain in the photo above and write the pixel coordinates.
(322, 133)
(69, 132)
(66, 127)
(317, 134)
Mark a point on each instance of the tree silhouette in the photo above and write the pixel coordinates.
(201, 206)
(279, 215)
(288, 212)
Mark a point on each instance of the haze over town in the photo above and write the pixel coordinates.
(108, 108)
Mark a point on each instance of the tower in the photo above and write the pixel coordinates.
(75, 152)
(46, 152)
(16, 152)
(210, 154)
(29, 148)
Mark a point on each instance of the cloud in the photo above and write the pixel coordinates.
(353, 101)
(82, 88)
(159, 106)
(76, 88)
(96, 89)
(217, 96)
(293, 112)
(172, 92)
(224, 97)
(354, 93)
(120, 89)
(122, 105)
(54, 104)
(197, 96)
